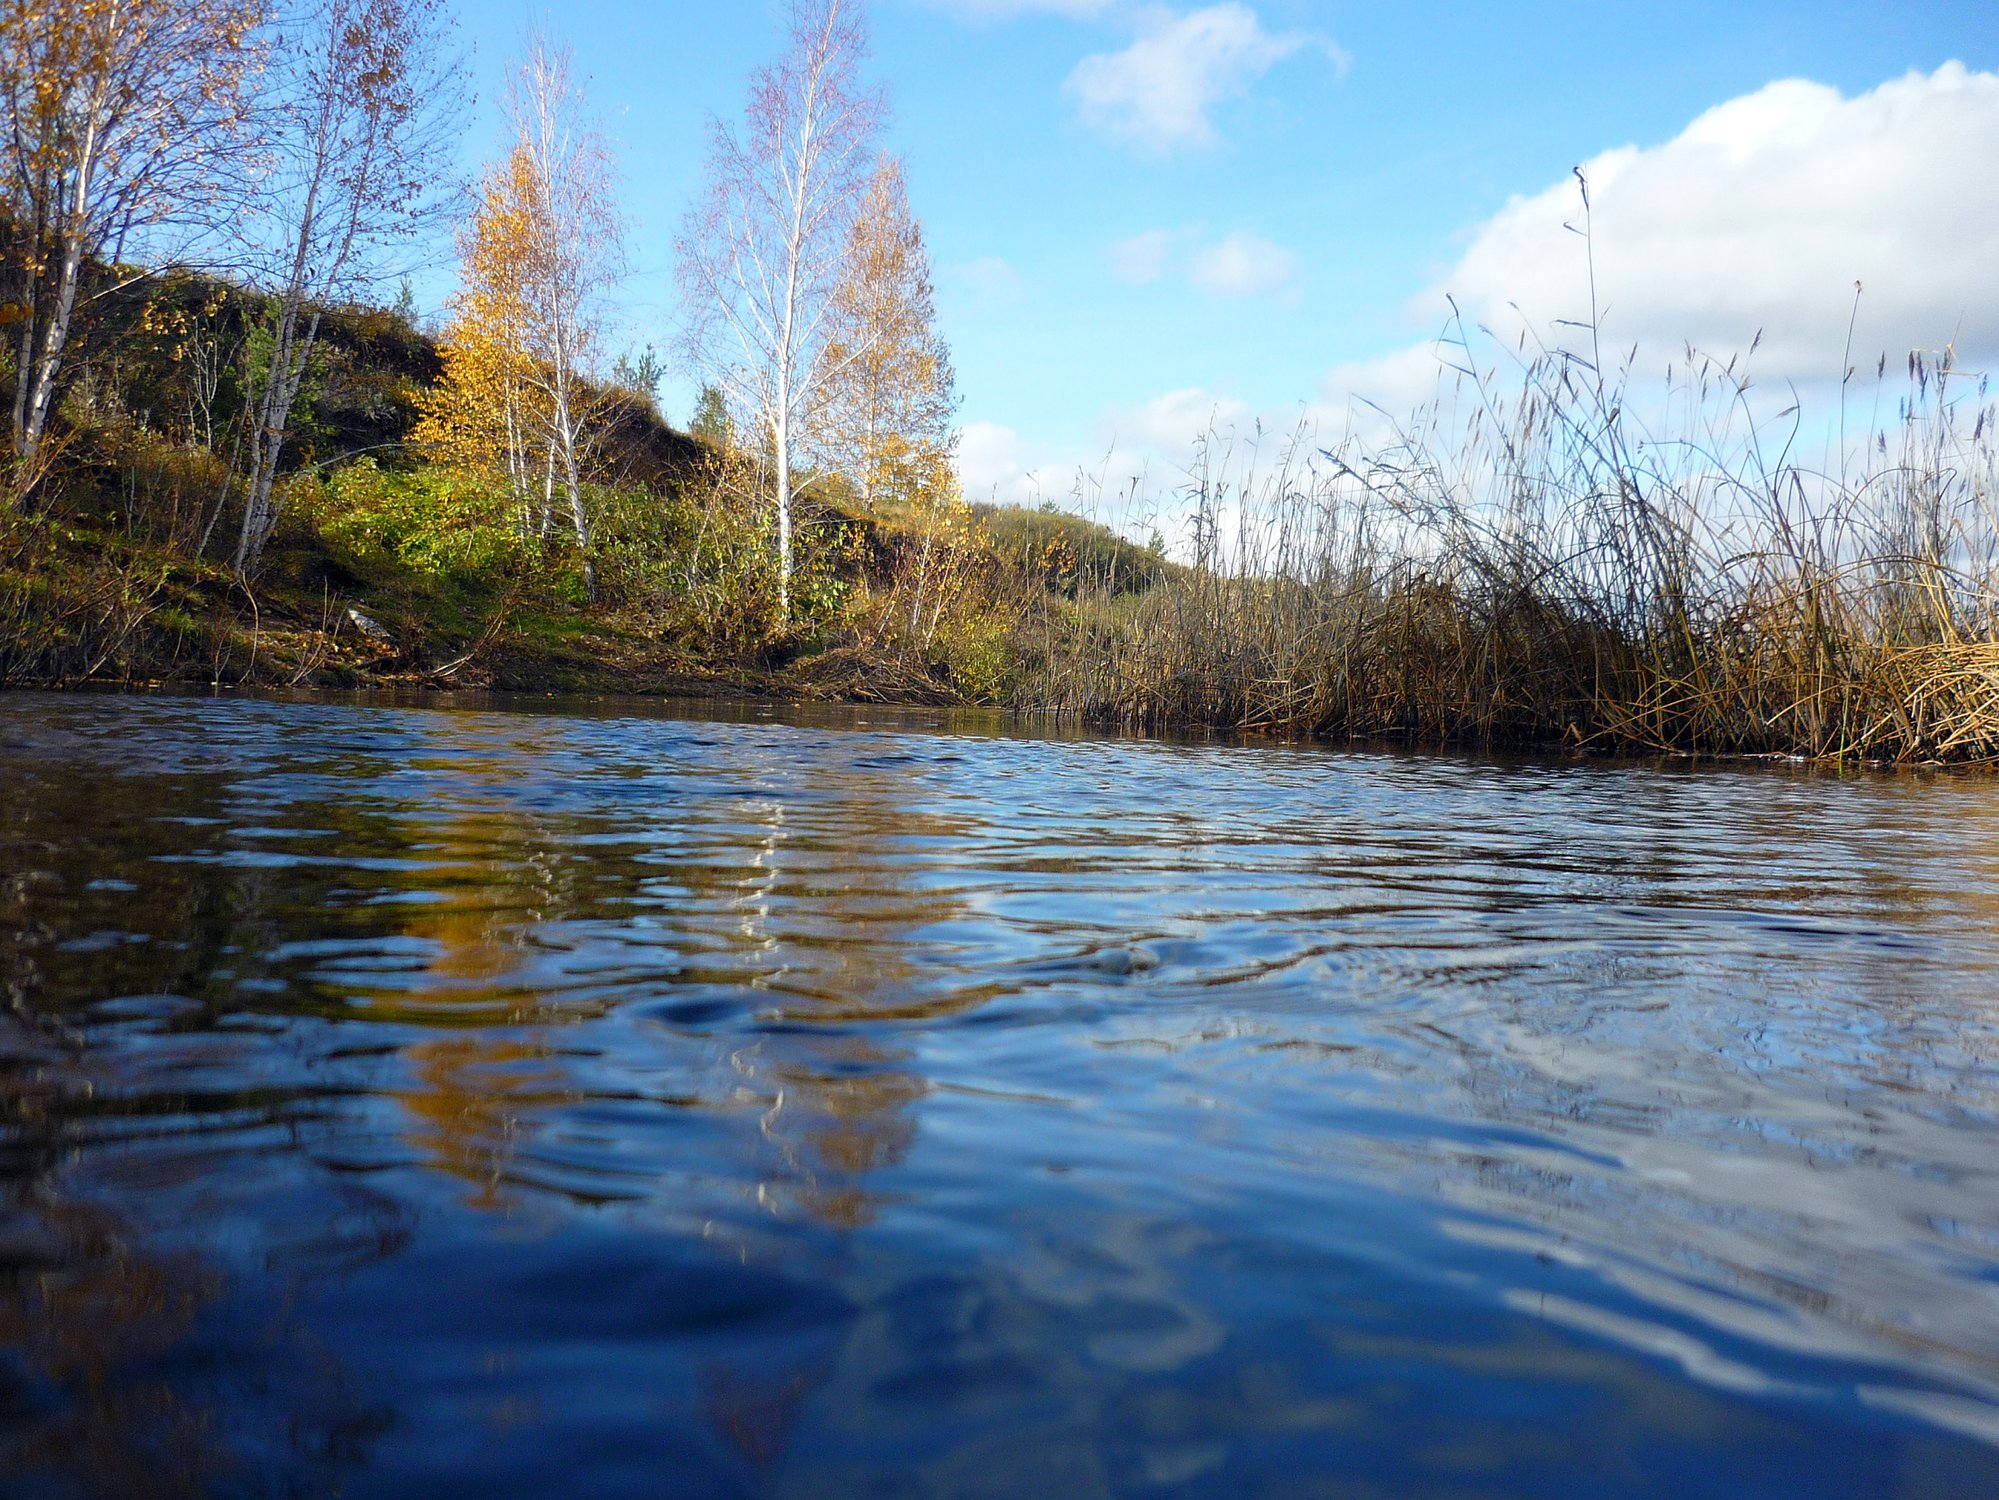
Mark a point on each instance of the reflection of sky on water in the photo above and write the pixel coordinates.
(399, 1095)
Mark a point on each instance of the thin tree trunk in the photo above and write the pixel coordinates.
(33, 413)
(55, 339)
(572, 480)
(24, 358)
(517, 475)
(548, 490)
(783, 515)
(291, 352)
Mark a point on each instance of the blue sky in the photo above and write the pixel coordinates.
(1143, 213)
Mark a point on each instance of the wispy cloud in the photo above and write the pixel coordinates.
(989, 461)
(1003, 10)
(1158, 95)
(1239, 264)
(1244, 265)
(1146, 257)
(995, 464)
(989, 279)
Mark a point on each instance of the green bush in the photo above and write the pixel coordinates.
(430, 521)
(978, 653)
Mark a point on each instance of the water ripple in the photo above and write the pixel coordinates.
(414, 1099)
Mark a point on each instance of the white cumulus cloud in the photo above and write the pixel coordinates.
(1757, 218)
(1166, 426)
(993, 465)
(1158, 94)
(1760, 217)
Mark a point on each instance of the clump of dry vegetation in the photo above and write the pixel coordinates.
(1535, 561)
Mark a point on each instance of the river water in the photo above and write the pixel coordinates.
(616, 1100)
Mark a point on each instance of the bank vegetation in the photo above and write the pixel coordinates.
(237, 458)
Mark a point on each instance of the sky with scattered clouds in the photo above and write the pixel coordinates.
(1148, 215)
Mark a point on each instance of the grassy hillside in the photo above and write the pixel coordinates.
(387, 568)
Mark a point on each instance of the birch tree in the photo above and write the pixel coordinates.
(536, 255)
(482, 415)
(122, 119)
(359, 116)
(761, 254)
(562, 174)
(891, 391)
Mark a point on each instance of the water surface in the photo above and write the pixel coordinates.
(621, 1101)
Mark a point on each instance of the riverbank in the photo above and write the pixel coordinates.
(84, 604)
(1537, 568)
(1219, 649)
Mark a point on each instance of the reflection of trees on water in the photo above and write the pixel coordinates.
(688, 997)
(784, 892)
(793, 902)
(840, 1116)
(469, 1100)
(484, 922)
(124, 1350)
(127, 1368)
(754, 1410)
(88, 1327)
(829, 919)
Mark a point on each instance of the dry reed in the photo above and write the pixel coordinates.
(1531, 562)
